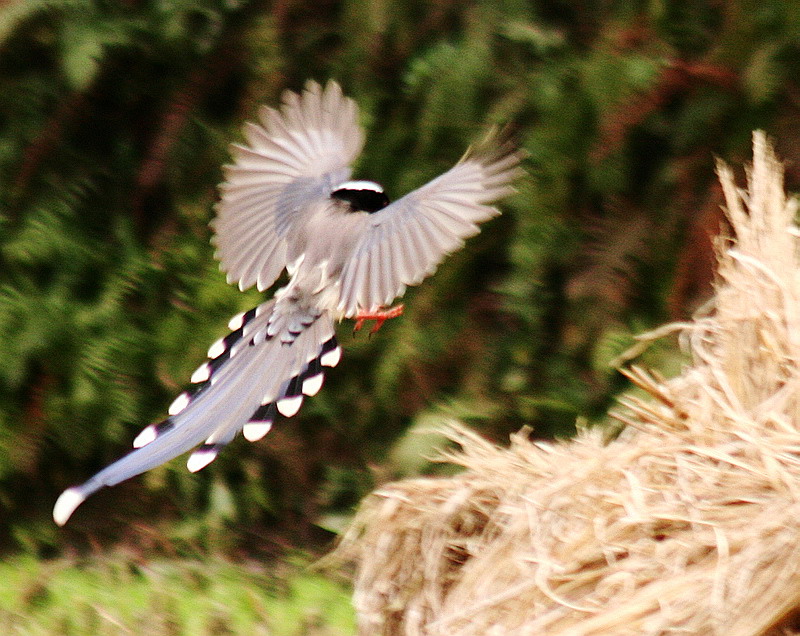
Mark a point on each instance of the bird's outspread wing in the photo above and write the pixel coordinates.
(407, 240)
(293, 156)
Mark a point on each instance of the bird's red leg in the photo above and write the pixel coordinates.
(380, 316)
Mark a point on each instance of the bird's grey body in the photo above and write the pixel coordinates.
(287, 203)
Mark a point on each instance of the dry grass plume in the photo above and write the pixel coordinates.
(687, 523)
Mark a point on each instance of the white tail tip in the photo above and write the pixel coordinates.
(289, 406)
(145, 437)
(312, 385)
(200, 459)
(70, 499)
(254, 431)
(201, 373)
(179, 403)
(216, 349)
(331, 359)
(236, 322)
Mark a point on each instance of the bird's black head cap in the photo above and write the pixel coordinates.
(363, 196)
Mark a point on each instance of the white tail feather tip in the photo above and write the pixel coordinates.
(236, 322)
(70, 499)
(312, 385)
(216, 349)
(290, 405)
(180, 403)
(254, 431)
(145, 437)
(331, 359)
(199, 459)
(201, 374)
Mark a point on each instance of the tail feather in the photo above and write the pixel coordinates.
(249, 377)
(260, 422)
(150, 433)
(203, 456)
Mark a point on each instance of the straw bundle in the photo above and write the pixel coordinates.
(688, 523)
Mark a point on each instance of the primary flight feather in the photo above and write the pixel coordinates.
(288, 202)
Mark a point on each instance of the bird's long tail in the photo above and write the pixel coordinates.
(264, 366)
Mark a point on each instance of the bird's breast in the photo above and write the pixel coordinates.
(319, 253)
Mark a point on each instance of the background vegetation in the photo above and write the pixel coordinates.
(114, 123)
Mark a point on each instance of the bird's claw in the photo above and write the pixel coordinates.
(380, 316)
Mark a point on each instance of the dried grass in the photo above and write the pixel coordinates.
(687, 523)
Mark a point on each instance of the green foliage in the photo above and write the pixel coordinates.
(122, 594)
(114, 119)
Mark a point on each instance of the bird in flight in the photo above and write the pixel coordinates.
(288, 202)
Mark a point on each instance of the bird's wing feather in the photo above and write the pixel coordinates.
(406, 241)
(292, 157)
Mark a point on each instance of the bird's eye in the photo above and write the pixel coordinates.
(362, 199)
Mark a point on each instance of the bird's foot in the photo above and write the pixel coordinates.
(380, 316)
